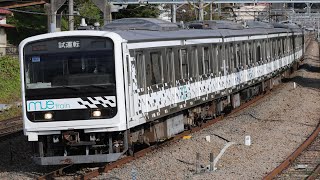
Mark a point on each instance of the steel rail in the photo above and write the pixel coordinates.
(55, 173)
(315, 173)
(10, 127)
(294, 155)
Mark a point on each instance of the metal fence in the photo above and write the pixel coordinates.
(308, 20)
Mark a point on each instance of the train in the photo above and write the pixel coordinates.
(93, 96)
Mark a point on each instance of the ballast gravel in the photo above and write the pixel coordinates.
(277, 125)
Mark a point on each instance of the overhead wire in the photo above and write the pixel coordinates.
(36, 13)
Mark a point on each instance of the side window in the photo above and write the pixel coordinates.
(227, 57)
(258, 52)
(275, 47)
(270, 50)
(279, 48)
(154, 69)
(193, 62)
(216, 58)
(168, 68)
(200, 61)
(264, 51)
(221, 59)
(206, 61)
(267, 45)
(183, 57)
(282, 45)
(291, 44)
(177, 64)
(249, 53)
(232, 58)
(238, 56)
(245, 54)
(286, 45)
(140, 69)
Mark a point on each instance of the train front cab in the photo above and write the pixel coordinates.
(72, 97)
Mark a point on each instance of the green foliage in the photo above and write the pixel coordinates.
(148, 11)
(186, 13)
(11, 113)
(90, 12)
(9, 79)
(64, 24)
(26, 24)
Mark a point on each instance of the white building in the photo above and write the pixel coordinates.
(3, 27)
(252, 12)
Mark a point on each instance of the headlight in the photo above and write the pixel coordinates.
(96, 113)
(48, 116)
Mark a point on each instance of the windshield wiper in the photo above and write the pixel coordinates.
(71, 87)
(102, 86)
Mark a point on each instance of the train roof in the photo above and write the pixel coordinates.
(148, 29)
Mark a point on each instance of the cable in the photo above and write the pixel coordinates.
(35, 13)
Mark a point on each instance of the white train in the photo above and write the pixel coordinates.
(91, 96)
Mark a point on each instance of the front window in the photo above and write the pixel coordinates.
(69, 69)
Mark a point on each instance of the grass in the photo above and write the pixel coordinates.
(9, 85)
(13, 112)
(9, 80)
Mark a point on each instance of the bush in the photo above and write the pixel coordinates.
(9, 79)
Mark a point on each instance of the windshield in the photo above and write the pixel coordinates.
(70, 69)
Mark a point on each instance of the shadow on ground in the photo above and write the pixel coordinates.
(308, 67)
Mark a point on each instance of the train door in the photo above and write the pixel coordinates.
(238, 63)
(193, 80)
(135, 87)
(127, 82)
(154, 81)
(168, 73)
(288, 48)
(220, 80)
(215, 67)
(293, 51)
(204, 65)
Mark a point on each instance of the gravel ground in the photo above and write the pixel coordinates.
(277, 126)
(16, 162)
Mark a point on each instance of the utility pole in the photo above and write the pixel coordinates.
(308, 9)
(201, 14)
(174, 13)
(53, 12)
(52, 8)
(71, 17)
(211, 11)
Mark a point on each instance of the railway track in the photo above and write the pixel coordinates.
(10, 127)
(303, 163)
(91, 173)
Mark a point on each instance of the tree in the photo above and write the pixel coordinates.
(26, 24)
(89, 11)
(148, 11)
